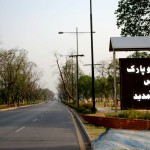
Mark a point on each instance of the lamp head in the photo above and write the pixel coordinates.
(60, 32)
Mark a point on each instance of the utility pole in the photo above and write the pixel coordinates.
(92, 58)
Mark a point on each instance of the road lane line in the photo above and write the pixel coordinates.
(20, 129)
(34, 120)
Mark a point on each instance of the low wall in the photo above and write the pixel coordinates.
(118, 123)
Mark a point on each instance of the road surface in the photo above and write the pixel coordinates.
(47, 126)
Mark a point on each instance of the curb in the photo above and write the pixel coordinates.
(80, 123)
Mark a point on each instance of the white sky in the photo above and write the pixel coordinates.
(34, 25)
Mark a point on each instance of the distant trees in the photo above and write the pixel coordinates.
(104, 82)
(18, 78)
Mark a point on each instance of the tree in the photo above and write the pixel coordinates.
(65, 86)
(101, 87)
(103, 68)
(45, 94)
(85, 86)
(104, 86)
(139, 55)
(67, 81)
(133, 17)
(18, 78)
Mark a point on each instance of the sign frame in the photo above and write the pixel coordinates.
(134, 83)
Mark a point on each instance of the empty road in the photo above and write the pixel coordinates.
(47, 126)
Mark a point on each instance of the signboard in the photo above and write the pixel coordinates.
(135, 83)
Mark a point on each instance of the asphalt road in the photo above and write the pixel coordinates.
(47, 126)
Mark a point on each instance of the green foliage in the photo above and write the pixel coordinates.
(85, 87)
(83, 108)
(139, 55)
(19, 79)
(102, 87)
(145, 116)
(130, 114)
(113, 114)
(133, 17)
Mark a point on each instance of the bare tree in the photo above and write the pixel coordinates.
(64, 76)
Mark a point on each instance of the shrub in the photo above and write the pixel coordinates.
(130, 114)
(113, 114)
(84, 108)
(86, 105)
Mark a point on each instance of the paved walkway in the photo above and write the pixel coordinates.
(114, 139)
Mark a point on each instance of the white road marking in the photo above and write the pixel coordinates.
(34, 120)
(20, 129)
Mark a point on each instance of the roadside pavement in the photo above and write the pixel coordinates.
(114, 139)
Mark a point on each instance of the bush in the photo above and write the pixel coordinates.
(113, 114)
(3, 106)
(86, 105)
(84, 108)
(130, 114)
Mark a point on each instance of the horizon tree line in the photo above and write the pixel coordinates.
(19, 79)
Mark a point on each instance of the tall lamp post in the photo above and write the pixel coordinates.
(92, 58)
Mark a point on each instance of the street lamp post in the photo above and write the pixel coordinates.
(92, 58)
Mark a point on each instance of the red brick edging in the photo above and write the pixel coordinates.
(118, 123)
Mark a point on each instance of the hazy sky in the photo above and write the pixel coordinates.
(34, 25)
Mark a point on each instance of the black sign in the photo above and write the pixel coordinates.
(135, 83)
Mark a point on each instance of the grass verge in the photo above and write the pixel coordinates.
(94, 131)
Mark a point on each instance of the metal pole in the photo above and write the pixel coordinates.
(77, 91)
(92, 58)
(115, 91)
(72, 76)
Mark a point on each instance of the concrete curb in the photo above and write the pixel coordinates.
(80, 123)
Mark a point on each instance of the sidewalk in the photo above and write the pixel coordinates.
(114, 139)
